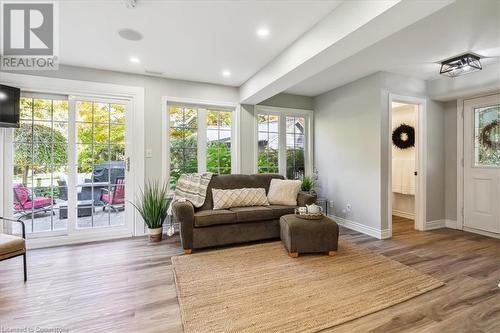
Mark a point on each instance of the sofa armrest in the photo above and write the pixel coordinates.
(304, 198)
(184, 214)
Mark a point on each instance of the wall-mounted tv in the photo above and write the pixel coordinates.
(9, 106)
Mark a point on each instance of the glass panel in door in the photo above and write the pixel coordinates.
(487, 136)
(100, 169)
(40, 169)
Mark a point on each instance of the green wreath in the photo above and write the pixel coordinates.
(486, 132)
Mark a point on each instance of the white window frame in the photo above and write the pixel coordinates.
(83, 89)
(308, 115)
(202, 106)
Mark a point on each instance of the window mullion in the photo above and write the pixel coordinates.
(202, 140)
(71, 186)
(282, 144)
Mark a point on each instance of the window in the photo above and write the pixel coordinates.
(219, 142)
(200, 139)
(295, 147)
(183, 142)
(282, 141)
(268, 143)
(487, 136)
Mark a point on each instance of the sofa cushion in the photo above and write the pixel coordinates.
(241, 197)
(257, 213)
(11, 245)
(209, 217)
(231, 182)
(283, 192)
(280, 210)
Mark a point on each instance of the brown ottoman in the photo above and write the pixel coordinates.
(309, 236)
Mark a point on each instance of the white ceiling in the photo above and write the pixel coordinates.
(189, 40)
(416, 50)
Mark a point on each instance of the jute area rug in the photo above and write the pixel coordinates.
(259, 288)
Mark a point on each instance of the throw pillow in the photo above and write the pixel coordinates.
(284, 192)
(242, 197)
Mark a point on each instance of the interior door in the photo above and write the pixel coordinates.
(482, 163)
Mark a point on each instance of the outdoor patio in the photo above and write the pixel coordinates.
(55, 219)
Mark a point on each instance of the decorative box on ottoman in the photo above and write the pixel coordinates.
(309, 236)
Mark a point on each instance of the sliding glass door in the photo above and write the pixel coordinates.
(41, 163)
(70, 165)
(100, 164)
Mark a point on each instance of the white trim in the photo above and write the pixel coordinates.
(356, 226)
(452, 224)
(165, 148)
(95, 90)
(97, 235)
(436, 224)
(283, 113)
(2, 187)
(403, 214)
(460, 164)
(201, 138)
(420, 159)
(481, 232)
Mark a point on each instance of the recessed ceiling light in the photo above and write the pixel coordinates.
(130, 34)
(263, 32)
(226, 73)
(134, 60)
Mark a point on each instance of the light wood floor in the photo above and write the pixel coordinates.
(127, 285)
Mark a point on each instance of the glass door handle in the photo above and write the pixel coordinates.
(127, 163)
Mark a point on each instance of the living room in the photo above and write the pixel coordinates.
(250, 166)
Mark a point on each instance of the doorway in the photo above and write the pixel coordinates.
(404, 130)
(406, 164)
(481, 165)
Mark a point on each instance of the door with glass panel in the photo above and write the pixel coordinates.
(100, 166)
(40, 164)
(482, 163)
(69, 165)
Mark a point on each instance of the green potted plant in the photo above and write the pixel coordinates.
(152, 205)
(307, 184)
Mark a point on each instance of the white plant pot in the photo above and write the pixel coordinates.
(155, 235)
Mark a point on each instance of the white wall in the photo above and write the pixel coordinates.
(352, 147)
(290, 101)
(450, 174)
(347, 150)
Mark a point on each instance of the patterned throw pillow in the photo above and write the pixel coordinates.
(283, 192)
(242, 197)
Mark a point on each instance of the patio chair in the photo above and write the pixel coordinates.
(114, 198)
(14, 246)
(25, 203)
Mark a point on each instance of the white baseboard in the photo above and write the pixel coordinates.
(370, 231)
(406, 215)
(452, 224)
(482, 232)
(437, 224)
